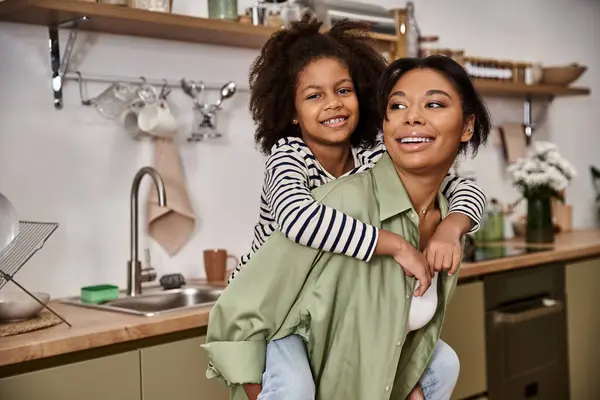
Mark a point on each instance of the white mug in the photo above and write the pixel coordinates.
(129, 120)
(157, 120)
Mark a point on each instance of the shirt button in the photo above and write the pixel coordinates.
(407, 296)
(387, 388)
(398, 343)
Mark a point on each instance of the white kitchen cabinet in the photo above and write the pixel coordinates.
(176, 370)
(464, 330)
(583, 298)
(115, 377)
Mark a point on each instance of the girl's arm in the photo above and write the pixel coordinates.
(466, 198)
(466, 204)
(305, 221)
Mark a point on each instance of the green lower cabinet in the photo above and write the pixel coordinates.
(115, 377)
(176, 370)
(583, 318)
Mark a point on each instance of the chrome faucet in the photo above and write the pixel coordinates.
(135, 274)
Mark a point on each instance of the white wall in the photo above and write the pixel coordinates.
(73, 167)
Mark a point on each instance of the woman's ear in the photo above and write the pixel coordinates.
(469, 129)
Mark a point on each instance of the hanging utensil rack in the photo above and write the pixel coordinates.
(141, 80)
(31, 238)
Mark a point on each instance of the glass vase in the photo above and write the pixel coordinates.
(540, 228)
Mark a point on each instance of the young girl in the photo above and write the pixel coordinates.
(313, 100)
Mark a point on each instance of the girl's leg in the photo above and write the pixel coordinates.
(440, 377)
(287, 374)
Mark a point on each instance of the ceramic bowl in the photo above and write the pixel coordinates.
(17, 306)
(563, 75)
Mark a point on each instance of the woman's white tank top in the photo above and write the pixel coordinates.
(422, 309)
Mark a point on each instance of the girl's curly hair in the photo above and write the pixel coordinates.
(274, 75)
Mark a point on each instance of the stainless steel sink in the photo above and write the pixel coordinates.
(154, 301)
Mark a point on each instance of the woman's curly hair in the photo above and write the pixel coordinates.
(274, 76)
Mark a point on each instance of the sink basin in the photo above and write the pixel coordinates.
(154, 301)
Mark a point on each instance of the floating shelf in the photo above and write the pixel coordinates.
(510, 89)
(108, 18)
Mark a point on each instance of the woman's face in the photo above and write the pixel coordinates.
(425, 125)
(326, 103)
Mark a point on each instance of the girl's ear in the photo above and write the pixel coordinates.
(469, 129)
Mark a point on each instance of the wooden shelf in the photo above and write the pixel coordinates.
(109, 18)
(113, 19)
(504, 89)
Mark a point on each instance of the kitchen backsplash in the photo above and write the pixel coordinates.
(75, 168)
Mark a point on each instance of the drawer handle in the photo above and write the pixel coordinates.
(548, 307)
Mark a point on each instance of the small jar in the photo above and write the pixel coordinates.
(223, 9)
(123, 3)
(153, 5)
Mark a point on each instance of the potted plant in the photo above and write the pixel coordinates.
(540, 176)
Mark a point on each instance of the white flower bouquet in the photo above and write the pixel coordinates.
(543, 172)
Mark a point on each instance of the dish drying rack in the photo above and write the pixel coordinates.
(31, 237)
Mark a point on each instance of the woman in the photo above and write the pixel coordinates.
(366, 337)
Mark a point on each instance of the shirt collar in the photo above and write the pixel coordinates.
(391, 193)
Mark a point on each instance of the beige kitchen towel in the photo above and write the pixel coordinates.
(171, 226)
(514, 141)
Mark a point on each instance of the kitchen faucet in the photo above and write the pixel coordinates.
(135, 274)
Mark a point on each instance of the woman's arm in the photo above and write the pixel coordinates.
(254, 307)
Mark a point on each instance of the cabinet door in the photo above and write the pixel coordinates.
(464, 330)
(176, 370)
(114, 377)
(583, 324)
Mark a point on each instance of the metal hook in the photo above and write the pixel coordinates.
(203, 92)
(84, 101)
(164, 92)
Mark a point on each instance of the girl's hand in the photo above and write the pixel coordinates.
(444, 251)
(411, 260)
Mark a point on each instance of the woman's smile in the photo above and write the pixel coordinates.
(415, 141)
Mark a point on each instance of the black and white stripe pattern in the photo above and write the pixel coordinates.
(286, 203)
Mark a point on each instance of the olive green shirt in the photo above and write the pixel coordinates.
(351, 314)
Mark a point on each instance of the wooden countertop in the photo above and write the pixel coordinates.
(568, 247)
(92, 328)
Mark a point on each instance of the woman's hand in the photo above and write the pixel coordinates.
(444, 251)
(416, 393)
(411, 260)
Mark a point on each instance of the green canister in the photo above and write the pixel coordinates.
(223, 9)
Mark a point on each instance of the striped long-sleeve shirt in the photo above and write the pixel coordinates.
(287, 204)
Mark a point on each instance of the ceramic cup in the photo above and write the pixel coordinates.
(129, 120)
(156, 119)
(215, 265)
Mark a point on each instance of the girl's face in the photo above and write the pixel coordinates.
(326, 103)
(425, 125)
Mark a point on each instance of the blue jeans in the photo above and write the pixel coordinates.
(287, 374)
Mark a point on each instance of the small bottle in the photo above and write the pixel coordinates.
(412, 32)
